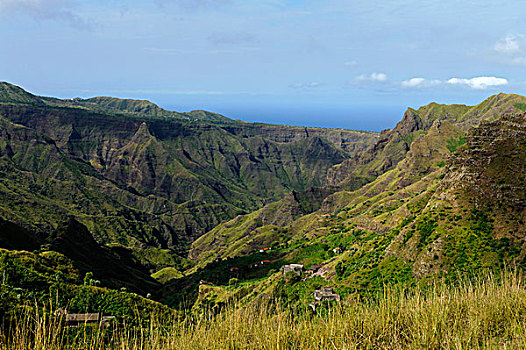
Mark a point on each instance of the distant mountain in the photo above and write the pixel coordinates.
(141, 177)
(107, 105)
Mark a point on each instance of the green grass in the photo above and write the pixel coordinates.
(167, 274)
(484, 313)
(454, 144)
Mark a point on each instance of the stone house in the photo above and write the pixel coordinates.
(296, 268)
(326, 293)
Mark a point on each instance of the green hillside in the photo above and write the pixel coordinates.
(453, 203)
(418, 146)
(197, 210)
(38, 279)
(126, 184)
(137, 176)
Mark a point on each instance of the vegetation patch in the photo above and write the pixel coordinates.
(426, 228)
(454, 144)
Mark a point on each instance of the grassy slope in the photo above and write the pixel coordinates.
(386, 228)
(29, 278)
(452, 203)
(263, 228)
(488, 313)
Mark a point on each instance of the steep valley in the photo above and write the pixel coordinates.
(449, 201)
(140, 178)
(196, 210)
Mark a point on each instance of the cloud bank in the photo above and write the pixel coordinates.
(477, 83)
(379, 77)
(420, 82)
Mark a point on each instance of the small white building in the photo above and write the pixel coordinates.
(296, 268)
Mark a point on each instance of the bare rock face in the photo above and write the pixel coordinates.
(385, 154)
(491, 169)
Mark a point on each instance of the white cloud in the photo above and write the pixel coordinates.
(511, 50)
(479, 83)
(509, 45)
(351, 63)
(380, 77)
(413, 82)
(420, 83)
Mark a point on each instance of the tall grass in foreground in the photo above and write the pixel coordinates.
(486, 313)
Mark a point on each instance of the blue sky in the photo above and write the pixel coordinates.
(351, 64)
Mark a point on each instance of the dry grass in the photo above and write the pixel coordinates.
(482, 314)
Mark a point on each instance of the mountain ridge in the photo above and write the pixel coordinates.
(145, 181)
(425, 157)
(10, 93)
(454, 207)
(433, 196)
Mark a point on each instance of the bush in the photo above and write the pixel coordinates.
(291, 277)
(88, 279)
(426, 227)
